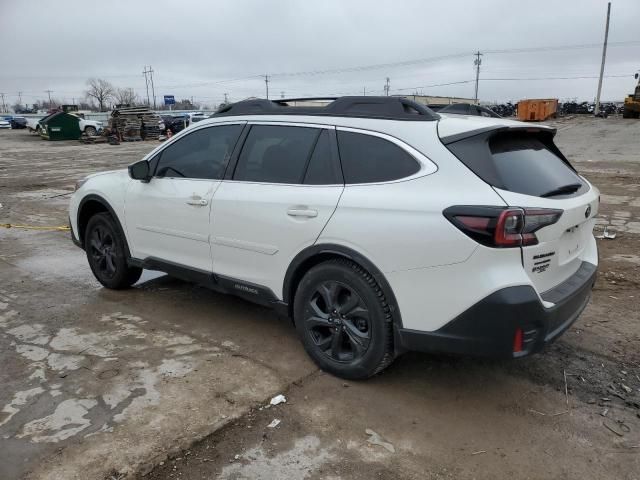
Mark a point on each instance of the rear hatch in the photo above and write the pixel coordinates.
(525, 167)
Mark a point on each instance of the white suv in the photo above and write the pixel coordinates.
(376, 224)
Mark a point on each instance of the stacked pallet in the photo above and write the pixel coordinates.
(135, 123)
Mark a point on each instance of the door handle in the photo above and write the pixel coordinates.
(197, 202)
(302, 212)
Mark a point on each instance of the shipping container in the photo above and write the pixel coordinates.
(537, 110)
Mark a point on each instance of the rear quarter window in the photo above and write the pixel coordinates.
(369, 159)
(521, 162)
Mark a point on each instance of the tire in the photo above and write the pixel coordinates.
(343, 319)
(105, 246)
(90, 131)
(627, 114)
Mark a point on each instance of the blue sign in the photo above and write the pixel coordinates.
(169, 100)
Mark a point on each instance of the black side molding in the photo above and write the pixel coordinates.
(219, 283)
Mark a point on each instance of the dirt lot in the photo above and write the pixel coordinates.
(169, 380)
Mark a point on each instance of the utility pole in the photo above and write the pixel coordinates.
(20, 98)
(226, 98)
(386, 87)
(146, 81)
(266, 84)
(364, 91)
(3, 107)
(153, 90)
(604, 56)
(49, 92)
(477, 62)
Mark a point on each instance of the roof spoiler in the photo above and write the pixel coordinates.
(495, 128)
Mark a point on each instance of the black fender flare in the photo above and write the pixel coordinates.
(92, 197)
(334, 250)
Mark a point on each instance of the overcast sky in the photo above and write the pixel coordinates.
(205, 49)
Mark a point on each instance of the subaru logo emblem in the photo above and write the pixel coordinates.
(587, 212)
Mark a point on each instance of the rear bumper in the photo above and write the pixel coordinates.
(488, 328)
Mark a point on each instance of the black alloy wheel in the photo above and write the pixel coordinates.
(107, 253)
(338, 321)
(102, 249)
(343, 318)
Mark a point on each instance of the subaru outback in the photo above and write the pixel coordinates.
(377, 225)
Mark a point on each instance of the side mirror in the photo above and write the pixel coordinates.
(140, 171)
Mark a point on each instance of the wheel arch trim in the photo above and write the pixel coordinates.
(297, 268)
(92, 197)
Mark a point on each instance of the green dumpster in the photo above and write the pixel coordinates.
(60, 126)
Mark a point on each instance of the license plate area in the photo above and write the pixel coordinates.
(571, 244)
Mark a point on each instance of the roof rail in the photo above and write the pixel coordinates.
(388, 108)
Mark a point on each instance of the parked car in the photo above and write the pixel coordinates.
(469, 109)
(376, 224)
(18, 122)
(33, 124)
(196, 117)
(4, 123)
(90, 128)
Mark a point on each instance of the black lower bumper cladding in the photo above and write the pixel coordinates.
(488, 328)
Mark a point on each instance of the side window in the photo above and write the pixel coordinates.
(200, 154)
(322, 169)
(275, 154)
(368, 159)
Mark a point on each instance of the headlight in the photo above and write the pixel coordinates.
(79, 183)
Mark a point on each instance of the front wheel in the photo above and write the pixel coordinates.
(344, 321)
(91, 131)
(106, 253)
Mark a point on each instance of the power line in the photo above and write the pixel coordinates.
(449, 57)
(553, 78)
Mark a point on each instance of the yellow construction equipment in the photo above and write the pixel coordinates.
(632, 103)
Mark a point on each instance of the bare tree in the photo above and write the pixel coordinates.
(100, 90)
(126, 96)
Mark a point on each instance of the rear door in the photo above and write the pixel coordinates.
(284, 187)
(528, 171)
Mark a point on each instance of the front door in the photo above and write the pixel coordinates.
(168, 217)
(285, 187)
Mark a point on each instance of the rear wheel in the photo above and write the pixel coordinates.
(106, 253)
(343, 319)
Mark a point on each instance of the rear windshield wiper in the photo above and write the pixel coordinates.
(563, 190)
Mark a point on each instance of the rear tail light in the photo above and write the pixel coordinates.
(501, 227)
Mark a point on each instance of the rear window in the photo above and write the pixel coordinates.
(524, 163)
